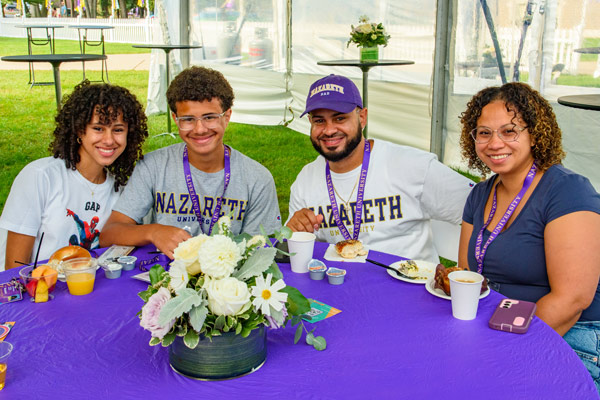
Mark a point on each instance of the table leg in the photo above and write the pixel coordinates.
(365, 96)
(57, 87)
(167, 71)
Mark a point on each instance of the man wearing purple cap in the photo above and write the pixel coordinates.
(378, 192)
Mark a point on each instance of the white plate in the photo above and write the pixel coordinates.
(426, 271)
(440, 293)
(332, 255)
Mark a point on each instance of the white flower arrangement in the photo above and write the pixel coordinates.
(368, 34)
(222, 283)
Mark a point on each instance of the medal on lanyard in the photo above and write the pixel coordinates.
(480, 252)
(192, 190)
(359, 196)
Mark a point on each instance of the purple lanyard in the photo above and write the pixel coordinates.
(359, 196)
(479, 252)
(192, 191)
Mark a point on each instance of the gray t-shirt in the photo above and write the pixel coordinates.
(158, 184)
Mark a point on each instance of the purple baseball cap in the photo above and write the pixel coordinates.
(333, 92)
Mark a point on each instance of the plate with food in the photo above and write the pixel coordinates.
(419, 271)
(347, 250)
(439, 285)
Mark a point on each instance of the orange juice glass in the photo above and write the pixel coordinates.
(80, 274)
(5, 350)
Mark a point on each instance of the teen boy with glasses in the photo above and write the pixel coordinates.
(189, 185)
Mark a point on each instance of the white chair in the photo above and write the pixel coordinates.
(446, 238)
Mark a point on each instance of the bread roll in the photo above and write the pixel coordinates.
(350, 248)
(67, 253)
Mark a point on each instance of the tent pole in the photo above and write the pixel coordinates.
(440, 76)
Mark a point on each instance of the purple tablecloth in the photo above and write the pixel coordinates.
(392, 340)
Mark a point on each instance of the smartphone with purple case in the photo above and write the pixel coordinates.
(513, 316)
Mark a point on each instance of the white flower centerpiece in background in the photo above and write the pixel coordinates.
(222, 283)
(367, 36)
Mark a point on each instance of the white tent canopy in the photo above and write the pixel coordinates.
(268, 50)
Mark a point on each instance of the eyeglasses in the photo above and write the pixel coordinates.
(209, 121)
(506, 133)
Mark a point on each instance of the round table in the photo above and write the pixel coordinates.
(49, 40)
(392, 339)
(583, 101)
(84, 42)
(364, 67)
(167, 49)
(55, 60)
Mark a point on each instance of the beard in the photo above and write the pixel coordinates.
(341, 154)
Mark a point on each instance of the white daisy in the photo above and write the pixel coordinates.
(267, 296)
(179, 275)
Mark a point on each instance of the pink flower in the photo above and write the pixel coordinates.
(151, 311)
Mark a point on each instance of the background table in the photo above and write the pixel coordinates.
(583, 101)
(392, 340)
(365, 67)
(167, 49)
(32, 41)
(55, 60)
(82, 34)
(588, 50)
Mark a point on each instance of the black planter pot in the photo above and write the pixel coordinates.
(225, 357)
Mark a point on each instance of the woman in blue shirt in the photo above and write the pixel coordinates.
(533, 228)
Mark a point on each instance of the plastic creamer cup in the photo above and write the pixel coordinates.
(336, 275)
(317, 269)
(112, 270)
(128, 262)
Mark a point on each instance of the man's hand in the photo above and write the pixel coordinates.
(305, 220)
(166, 238)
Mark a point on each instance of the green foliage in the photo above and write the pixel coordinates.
(297, 303)
(256, 264)
(368, 34)
(174, 308)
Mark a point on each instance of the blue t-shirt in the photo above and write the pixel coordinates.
(515, 262)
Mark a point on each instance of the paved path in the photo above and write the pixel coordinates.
(116, 62)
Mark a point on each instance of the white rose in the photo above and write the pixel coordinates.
(226, 296)
(219, 256)
(187, 251)
(364, 28)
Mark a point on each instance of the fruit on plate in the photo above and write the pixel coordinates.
(49, 274)
(41, 292)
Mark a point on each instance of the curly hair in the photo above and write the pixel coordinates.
(200, 84)
(525, 103)
(108, 101)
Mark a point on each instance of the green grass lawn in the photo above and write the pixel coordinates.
(18, 46)
(27, 123)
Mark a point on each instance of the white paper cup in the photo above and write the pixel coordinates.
(465, 289)
(302, 244)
